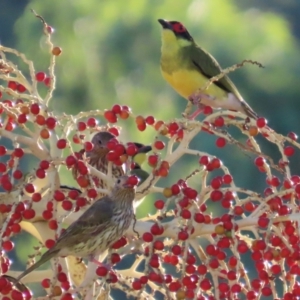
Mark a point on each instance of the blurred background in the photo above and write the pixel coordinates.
(111, 52)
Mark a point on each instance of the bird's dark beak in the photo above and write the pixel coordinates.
(165, 24)
(144, 149)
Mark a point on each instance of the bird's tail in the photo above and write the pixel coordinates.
(249, 111)
(19, 285)
(16, 281)
(45, 257)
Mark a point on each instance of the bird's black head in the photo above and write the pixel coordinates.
(179, 30)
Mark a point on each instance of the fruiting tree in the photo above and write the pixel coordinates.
(180, 252)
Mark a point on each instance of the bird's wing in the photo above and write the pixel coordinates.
(209, 67)
(91, 222)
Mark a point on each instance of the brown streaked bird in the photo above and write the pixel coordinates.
(103, 223)
(97, 158)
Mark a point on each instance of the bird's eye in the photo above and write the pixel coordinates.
(179, 28)
(118, 181)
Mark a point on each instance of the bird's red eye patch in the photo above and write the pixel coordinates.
(179, 28)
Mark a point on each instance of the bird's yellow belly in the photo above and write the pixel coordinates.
(187, 82)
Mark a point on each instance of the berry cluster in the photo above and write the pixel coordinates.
(208, 238)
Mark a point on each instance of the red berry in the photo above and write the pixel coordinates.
(67, 296)
(266, 291)
(51, 122)
(236, 288)
(293, 136)
(53, 224)
(62, 277)
(219, 122)
(141, 127)
(205, 284)
(81, 126)
(17, 174)
(29, 188)
(82, 181)
(28, 214)
(176, 250)
(156, 229)
(147, 237)
(144, 279)
(215, 163)
(116, 109)
(47, 81)
(15, 228)
(150, 120)
(133, 180)
(136, 285)
(22, 118)
(12, 85)
(174, 286)
(183, 235)
(46, 283)
(36, 197)
(207, 110)
(2, 168)
(61, 144)
(115, 258)
(101, 271)
(114, 131)
(220, 142)
(67, 205)
(175, 188)
(7, 245)
(289, 150)
(158, 245)
(70, 161)
(40, 173)
(186, 214)
(199, 218)
(49, 243)
(35, 109)
(21, 88)
(92, 193)
(44, 164)
(159, 145)
(47, 214)
(216, 195)
(227, 179)
(81, 201)
(259, 161)
(3, 150)
(159, 204)
(91, 122)
(110, 116)
(18, 152)
(40, 120)
(153, 160)
(124, 114)
(216, 183)
(261, 122)
(40, 76)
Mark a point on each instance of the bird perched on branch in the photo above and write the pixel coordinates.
(187, 68)
(138, 160)
(97, 158)
(103, 223)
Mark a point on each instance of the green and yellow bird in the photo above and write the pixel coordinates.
(188, 68)
(138, 160)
